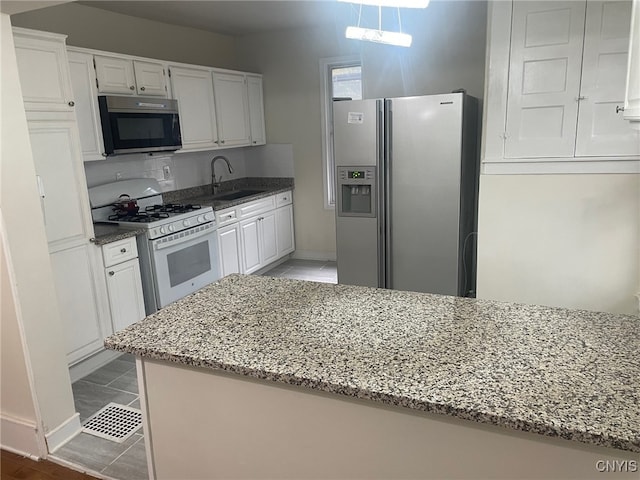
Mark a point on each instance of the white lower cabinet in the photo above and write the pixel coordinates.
(255, 234)
(229, 249)
(124, 283)
(284, 226)
(77, 292)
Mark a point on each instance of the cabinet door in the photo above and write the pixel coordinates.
(115, 75)
(602, 129)
(77, 298)
(193, 89)
(56, 154)
(85, 94)
(544, 78)
(232, 109)
(124, 286)
(284, 223)
(150, 79)
(250, 245)
(229, 246)
(256, 109)
(268, 235)
(44, 74)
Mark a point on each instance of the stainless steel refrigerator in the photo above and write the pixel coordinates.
(406, 190)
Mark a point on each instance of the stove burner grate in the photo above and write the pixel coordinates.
(141, 217)
(173, 208)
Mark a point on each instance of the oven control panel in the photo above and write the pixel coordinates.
(175, 226)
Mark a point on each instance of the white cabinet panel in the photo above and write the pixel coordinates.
(115, 75)
(268, 242)
(150, 78)
(632, 93)
(546, 54)
(602, 129)
(232, 109)
(56, 148)
(85, 95)
(193, 88)
(250, 243)
(284, 234)
(77, 298)
(229, 245)
(124, 286)
(44, 76)
(256, 109)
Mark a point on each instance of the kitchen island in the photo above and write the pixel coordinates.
(259, 377)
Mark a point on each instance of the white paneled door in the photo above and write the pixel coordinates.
(150, 78)
(115, 75)
(232, 109)
(545, 68)
(602, 129)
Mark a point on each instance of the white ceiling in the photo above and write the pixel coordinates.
(235, 17)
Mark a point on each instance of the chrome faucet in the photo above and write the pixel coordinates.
(215, 183)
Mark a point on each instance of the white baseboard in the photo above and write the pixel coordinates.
(311, 255)
(21, 437)
(91, 364)
(63, 432)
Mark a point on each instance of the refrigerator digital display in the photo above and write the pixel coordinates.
(355, 174)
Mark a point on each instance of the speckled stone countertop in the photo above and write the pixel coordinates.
(109, 232)
(201, 195)
(562, 373)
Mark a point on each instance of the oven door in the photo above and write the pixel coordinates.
(184, 262)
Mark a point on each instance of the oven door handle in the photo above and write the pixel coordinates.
(158, 244)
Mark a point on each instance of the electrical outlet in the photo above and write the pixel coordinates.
(167, 172)
(118, 175)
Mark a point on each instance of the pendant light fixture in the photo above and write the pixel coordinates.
(383, 36)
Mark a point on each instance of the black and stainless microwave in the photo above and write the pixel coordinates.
(137, 125)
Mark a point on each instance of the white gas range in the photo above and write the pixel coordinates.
(178, 252)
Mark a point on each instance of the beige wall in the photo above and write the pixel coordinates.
(91, 27)
(561, 240)
(26, 247)
(447, 53)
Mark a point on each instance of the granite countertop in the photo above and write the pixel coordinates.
(562, 373)
(201, 195)
(109, 232)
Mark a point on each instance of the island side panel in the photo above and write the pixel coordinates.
(204, 424)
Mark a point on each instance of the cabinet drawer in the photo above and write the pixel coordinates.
(120, 251)
(259, 206)
(226, 216)
(284, 198)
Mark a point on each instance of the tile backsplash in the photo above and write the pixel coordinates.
(185, 170)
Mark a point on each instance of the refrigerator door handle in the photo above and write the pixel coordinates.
(385, 211)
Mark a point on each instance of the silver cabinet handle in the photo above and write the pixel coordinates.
(619, 109)
(221, 141)
(132, 87)
(216, 141)
(142, 88)
(112, 273)
(72, 103)
(255, 141)
(123, 250)
(580, 98)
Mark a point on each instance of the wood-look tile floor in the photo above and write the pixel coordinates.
(115, 382)
(313, 270)
(16, 467)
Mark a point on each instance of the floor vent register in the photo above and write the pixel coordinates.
(114, 422)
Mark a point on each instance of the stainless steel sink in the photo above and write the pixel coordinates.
(236, 194)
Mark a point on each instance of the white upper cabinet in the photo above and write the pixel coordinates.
(193, 88)
(544, 80)
(150, 78)
(555, 88)
(632, 97)
(232, 108)
(602, 129)
(86, 99)
(121, 76)
(256, 109)
(42, 66)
